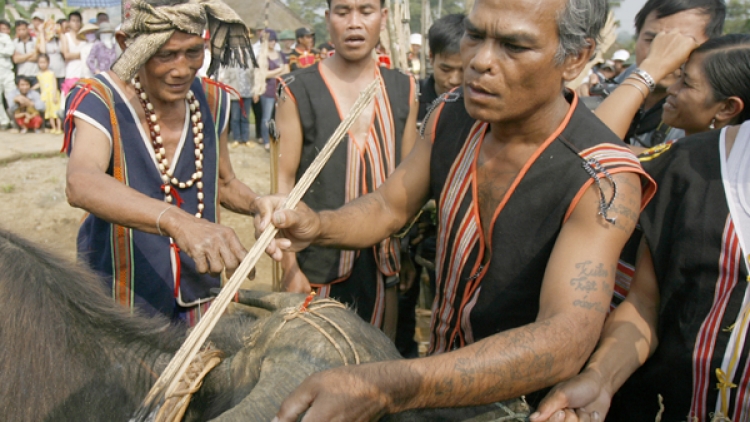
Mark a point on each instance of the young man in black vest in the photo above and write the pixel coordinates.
(311, 104)
(535, 199)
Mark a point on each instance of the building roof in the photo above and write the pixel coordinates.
(279, 15)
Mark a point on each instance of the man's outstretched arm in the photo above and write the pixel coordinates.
(576, 292)
(212, 247)
(360, 223)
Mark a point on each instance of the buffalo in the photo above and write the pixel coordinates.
(70, 353)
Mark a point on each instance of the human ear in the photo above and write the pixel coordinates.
(730, 109)
(575, 63)
(121, 37)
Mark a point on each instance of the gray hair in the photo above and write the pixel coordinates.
(577, 24)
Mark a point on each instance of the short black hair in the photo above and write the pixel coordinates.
(5, 22)
(715, 9)
(726, 66)
(382, 3)
(444, 36)
(20, 78)
(21, 22)
(75, 13)
(61, 21)
(43, 56)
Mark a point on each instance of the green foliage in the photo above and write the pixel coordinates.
(738, 17)
(312, 12)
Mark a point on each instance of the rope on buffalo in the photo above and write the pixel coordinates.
(176, 404)
(306, 309)
(166, 385)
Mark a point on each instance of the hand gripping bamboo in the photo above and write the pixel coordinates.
(168, 380)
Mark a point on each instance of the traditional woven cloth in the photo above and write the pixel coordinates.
(149, 28)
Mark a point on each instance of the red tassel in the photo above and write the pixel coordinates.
(308, 299)
(226, 87)
(176, 250)
(177, 197)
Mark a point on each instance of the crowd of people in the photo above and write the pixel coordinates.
(593, 261)
(43, 61)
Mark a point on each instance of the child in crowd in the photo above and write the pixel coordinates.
(26, 106)
(49, 94)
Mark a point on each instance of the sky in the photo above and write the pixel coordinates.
(626, 14)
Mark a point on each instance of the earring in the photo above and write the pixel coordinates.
(712, 125)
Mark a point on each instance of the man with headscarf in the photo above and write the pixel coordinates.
(149, 159)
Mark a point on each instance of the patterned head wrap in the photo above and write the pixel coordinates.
(148, 28)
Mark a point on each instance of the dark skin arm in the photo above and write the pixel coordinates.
(628, 339)
(212, 246)
(576, 291)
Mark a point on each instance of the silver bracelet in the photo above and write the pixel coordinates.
(646, 77)
(158, 219)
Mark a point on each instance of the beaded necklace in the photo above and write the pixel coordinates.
(170, 182)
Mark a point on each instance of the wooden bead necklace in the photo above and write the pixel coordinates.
(170, 182)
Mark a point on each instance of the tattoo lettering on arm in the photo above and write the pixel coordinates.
(587, 281)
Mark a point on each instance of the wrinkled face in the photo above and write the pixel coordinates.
(508, 55)
(24, 86)
(690, 23)
(448, 72)
(167, 75)
(690, 104)
(4, 29)
(74, 23)
(355, 27)
(22, 32)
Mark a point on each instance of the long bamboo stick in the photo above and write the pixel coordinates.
(168, 380)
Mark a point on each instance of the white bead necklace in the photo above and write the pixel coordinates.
(170, 182)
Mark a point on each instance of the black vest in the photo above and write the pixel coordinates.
(319, 118)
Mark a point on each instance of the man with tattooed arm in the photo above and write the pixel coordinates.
(535, 199)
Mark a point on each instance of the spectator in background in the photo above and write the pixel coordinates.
(699, 19)
(103, 52)
(88, 35)
(326, 50)
(49, 94)
(444, 38)
(49, 43)
(26, 106)
(415, 46)
(26, 54)
(303, 55)
(239, 113)
(619, 58)
(37, 20)
(71, 50)
(275, 65)
(7, 77)
(102, 17)
(286, 40)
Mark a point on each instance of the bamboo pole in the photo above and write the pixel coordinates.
(168, 380)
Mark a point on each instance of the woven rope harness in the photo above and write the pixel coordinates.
(309, 312)
(176, 404)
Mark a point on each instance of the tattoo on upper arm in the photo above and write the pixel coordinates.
(587, 281)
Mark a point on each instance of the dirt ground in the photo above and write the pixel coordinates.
(33, 203)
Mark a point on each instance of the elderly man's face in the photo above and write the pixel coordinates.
(508, 55)
(167, 75)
